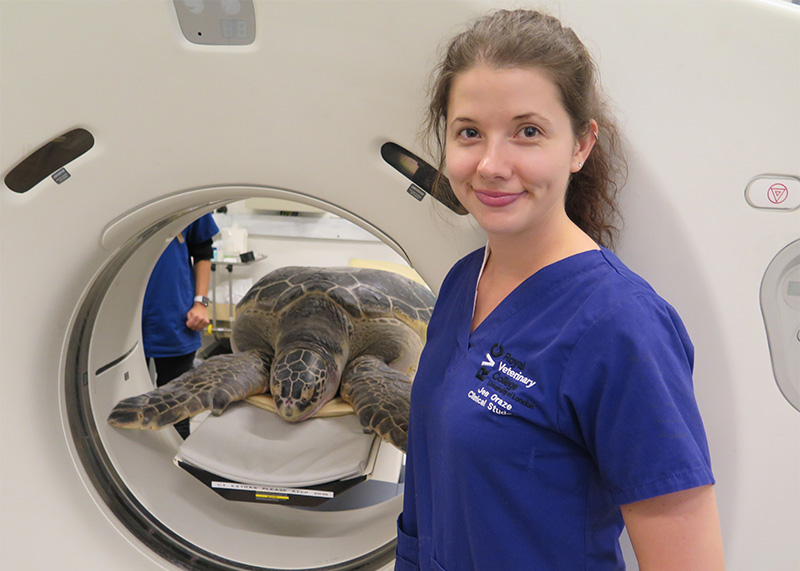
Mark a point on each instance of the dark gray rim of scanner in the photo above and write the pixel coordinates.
(101, 471)
(48, 159)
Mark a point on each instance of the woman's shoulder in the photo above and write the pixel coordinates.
(202, 229)
(465, 268)
(625, 298)
(623, 283)
(474, 258)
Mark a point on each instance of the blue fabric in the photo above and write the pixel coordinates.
(572, 397)
(170, 294)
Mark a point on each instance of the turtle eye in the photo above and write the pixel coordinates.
(308, 392)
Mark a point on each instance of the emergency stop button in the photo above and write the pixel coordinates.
(773, 192)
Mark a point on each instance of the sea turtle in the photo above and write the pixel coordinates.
(304, 335)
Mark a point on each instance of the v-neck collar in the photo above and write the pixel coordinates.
(538, 286)
(486, 252)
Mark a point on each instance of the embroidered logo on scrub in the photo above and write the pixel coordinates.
(500, 393)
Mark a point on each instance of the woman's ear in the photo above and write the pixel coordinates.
(584, 145)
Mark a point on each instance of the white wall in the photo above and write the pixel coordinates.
(309, 239)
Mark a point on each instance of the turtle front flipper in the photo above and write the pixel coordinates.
(213, 385)
(381, 397)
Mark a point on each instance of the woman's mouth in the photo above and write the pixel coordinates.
(496, 199)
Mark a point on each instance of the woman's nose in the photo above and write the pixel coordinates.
(494, 162)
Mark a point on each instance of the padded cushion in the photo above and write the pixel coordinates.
(249, 445)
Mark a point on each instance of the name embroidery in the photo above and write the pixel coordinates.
(505, 381)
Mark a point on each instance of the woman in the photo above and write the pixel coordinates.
(553, 400)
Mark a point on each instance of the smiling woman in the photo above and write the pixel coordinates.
(511, 151)
(561, 61)
(534, 469)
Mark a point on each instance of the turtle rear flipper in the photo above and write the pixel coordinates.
(213, 385)
(381, 397)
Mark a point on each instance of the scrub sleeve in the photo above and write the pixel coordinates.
(170, 294)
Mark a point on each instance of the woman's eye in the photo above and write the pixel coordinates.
(529, 132)
(469, 133)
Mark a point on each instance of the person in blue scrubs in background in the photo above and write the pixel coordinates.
(553, 402)
(174, 311)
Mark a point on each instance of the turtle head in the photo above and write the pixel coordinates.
(302, 381)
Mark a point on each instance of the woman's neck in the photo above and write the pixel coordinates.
(520, 256)
(513, 259)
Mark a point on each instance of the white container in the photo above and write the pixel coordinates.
(234, 241)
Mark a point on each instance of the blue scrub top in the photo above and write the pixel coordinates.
(572, 397)
(170, 295)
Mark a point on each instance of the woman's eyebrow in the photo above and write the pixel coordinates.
(534, 116)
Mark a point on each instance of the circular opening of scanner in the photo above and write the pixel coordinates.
(131, 473)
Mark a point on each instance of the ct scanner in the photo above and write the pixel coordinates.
(183, 117)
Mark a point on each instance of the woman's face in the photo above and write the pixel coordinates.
(510, 149)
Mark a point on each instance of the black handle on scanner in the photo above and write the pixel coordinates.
(420, 173)
(48, 159)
